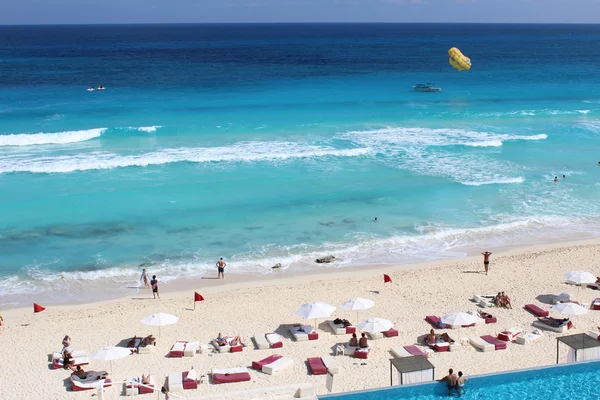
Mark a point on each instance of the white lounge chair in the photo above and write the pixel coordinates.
(301, 333)
(400, 352)
(331, 364)
(481, 344)
(375, 336)
(484, 300)
(558, 329)
(278, 365)
(191, 348)
(530, 337)
(261, 341)
(274, 340)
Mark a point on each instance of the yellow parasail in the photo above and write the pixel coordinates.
(458, 60)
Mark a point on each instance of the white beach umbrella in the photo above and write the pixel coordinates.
(315, 310)
(569, 309)
(160, 319)
(110, 353)
(459, 318)
(358, 303)
(579, 277)
(375, 325)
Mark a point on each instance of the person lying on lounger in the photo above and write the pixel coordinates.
(353, 341)
(147, 341)
(363, 342)
(344, 322)
(553, 321)
(79, 372)
(484, 315)
(430, 339)
(446, 338)
(231, 341)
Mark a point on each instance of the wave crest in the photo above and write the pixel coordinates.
(26, 139)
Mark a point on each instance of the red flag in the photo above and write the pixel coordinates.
(37, 308)
(198, 297)
(386, 278)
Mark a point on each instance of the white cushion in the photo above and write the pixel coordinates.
(192, 374)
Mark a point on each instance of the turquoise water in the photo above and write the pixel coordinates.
(271, 144)
(580, 381)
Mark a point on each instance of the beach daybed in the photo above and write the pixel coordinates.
(274, 340)
(177, 349)
(91, 381)
(316, 366)
(440, 346)
(436, 322)
(260, 340)
(530, 337)
(407, 351)
(331, 364)
(79, 358)
(184, 349)
(481, 344)
(133, 387)
(340, 329)
(510, 334)
(499, 344)
(303, 333)
(227, 348)
(278, 365)
(558, 329)
(267, 341)
(230, 375)
(596, 304)
(179, 381)
(484, 300)
(535, 310)
(258, 365)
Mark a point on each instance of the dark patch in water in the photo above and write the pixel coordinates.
(329, 223)
(215, 244)
(348, 220)
(252, 228)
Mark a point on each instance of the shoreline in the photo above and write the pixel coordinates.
(237, 281)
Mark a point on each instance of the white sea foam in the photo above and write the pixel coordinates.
(239, 152)
(148, 129)
(25, 139)
(496, 182)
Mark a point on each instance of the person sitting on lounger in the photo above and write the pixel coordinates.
(353, 341)
(363, 342)
(431, 338)
(79, 372)
(506, 301)
(68, 361)
(446, 338)
(231, 341)
(554, 322)
(66, 342)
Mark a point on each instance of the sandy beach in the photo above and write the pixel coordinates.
(244, 308)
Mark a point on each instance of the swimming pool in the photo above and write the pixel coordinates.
(574, 381)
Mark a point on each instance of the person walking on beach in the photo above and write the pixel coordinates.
(154, 283)
(221, 264)
(145, 278)
(486, 261)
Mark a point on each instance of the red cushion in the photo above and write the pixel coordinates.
(265, 361)
(491, 320)
(313, 336)
(505, 336)
(350, 330)
(392, 332)
(361, 354)
(535, 310)
(236, 349)
(500, 345)
(188, 383)
(435, 321)
(231, 378)
(414, 350)
(596, 304)
(277, 345)
(316, 366)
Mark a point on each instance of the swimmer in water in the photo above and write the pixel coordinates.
(556, 179)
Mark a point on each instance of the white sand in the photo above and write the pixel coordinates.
(246, 308)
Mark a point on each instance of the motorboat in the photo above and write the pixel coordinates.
(429, 87)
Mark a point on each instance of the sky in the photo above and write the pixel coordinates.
(197, 11)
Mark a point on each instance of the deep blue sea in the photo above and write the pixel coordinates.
(278, 143)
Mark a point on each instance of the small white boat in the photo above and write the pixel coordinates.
(429, 87)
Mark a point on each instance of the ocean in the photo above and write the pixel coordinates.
(279, 143)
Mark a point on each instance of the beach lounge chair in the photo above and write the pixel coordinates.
(316, 366)
(177, 349)
(81, 359)
(510, 334)
(274, 340)
(132, 387)
(440, 346)
(486, 300)
(596, 304)
(407, 351)
(179, 381)
(558, 329)
(436, 322)
(530, 337)
(91, 381)
(191, 348)
(227, 348)
(340, 329)
(331, 364)
(535, 310)
(260, 341)
(594, 286)
(278, 365)
(230, 375)
(303, 333)
(258, 365)
(481, 344)
(499, 344)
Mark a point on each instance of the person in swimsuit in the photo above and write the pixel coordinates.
(363, 342)
(154, 283)
(450, 380)
(79, 372)
(221, 264)
(431, 339)
(145, 278)
(486, 261)
(460, 383)
(353, 341)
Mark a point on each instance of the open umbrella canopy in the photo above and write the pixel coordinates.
(110, 353)
(579, 277)
(315, 310)
(569, 309)
(375, 325)
(160, 319)
(459, 318)
(358, 303)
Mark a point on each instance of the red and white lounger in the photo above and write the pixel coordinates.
(230, 375)
(258, 365)
(362, 352)
(535, 310)
(500, 345)
(133, 385)
(274, 340)
(90, 382)
(596, 304)
(316, 366)
(178, 349)
(440, 346)
(436, 322)
(57, 361)
(510, 334)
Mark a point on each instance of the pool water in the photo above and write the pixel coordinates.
(579, 381)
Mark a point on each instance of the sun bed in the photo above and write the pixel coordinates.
(274, 340)
(258, 365)
(440, 346)
(267, 341)
(260, 341)
(481, 344)
(340, 329)
(133, 387)
(278, 365)
(558, 329)
(362, 353)
(191, 348)
(230, 375)
(316, 366)
(510, 334)
(594, 286)
(227, 348)
(331, 364)
(179, 381)
(177, 349)
(436, 322)
(303, 333)
(91, 381)
(499, 344)
(407, 351)
(594, 334)
(535, 310)
(486, 300)
(80, 359)
(530, 337)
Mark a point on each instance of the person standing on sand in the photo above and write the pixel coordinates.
(154, 283)
(486, 261)
(221, 264)
(145, 278)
